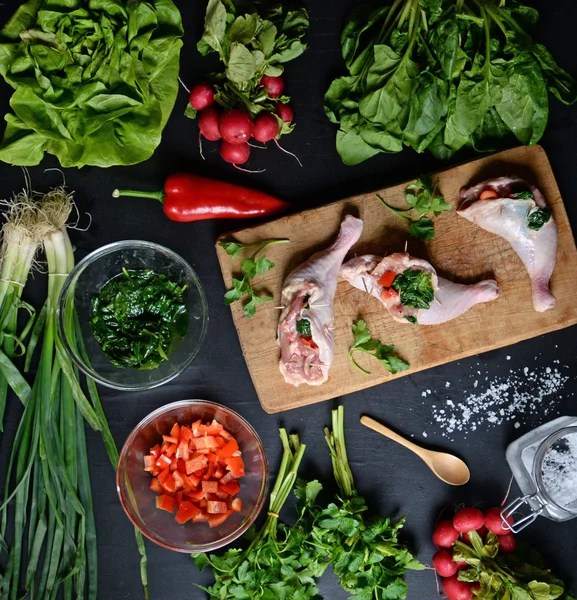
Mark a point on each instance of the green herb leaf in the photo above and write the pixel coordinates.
(363, 342)
(214, 27)
(304, 327)
(524, 196)
(423, 230)
(415, 288)
(538, 217)
(241, 64)
(232, 248)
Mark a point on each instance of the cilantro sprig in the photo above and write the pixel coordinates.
(422, 199)
(364, 342)
(250, 266)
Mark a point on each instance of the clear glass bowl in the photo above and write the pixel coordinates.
(138, 500)
(87, 279)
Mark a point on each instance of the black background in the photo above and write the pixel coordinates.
(393, 480)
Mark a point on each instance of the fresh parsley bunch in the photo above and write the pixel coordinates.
(277, 563)
(250, 266)
(422, 198)
(365, 552)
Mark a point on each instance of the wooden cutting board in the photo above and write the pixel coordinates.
(461, 252)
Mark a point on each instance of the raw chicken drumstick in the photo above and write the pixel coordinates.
(446, 300)
(517, 211)
(305, 329)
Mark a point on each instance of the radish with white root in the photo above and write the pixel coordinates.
(266, 129)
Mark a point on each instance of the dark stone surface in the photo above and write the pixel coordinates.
(393, 480)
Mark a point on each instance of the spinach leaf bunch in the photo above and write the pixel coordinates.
(94, 80)
(442, 75)
(138, 318)
(252, 39)
(365, 552)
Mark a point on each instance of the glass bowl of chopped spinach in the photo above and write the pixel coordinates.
(132, 315)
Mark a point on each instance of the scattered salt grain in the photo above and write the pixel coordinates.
(448, 384)
(506, 399)
(559, 470)
(424, 434)
(424, 394)
(508, 357)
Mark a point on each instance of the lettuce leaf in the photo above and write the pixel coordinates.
(94, 80)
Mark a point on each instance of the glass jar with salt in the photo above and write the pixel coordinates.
(544, 464)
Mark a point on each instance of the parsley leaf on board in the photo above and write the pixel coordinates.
(415, 288)
(422, 199)
(538, 217)
(363, 342)
(250, 266)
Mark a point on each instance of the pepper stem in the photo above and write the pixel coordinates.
(159, 195)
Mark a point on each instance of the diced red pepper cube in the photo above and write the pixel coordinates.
(218, 472)
(228, 450)
(216, 507)
(149, 462)
(155, 451)
(235, 465)
(195, 464)
(210, 487)
(186, 511)
(182, 450)
(155, 486)
(178, 480)
(216, 520)
(200, 517)
(171, 450)
(170, 439)
(163, 462)
(195, 495)
(169, 484)
(185, 433)
(178, 498)
(175, 431)
(220, 441)
(165, 502)
(232, 487)
(209, 471)
(173, 464)
(236, 505)
(227, 477)
(226, 435)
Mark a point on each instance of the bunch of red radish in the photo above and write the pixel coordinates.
(448, 532)
(234, 128)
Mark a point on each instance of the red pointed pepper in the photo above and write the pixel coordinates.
(189, 197)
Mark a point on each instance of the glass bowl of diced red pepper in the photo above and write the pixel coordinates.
(192, 476)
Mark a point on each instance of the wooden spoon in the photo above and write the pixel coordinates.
(446, 467)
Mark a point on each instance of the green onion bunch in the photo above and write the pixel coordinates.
(47, 504)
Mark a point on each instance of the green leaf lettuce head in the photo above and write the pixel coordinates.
(94, 80)
(442, 75)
